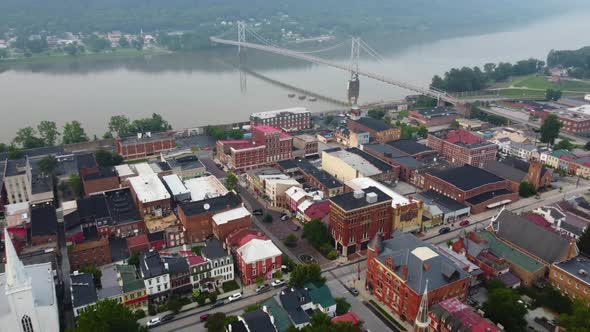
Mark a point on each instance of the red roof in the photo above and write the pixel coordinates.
(249, 237)
(265, 129)
(138, 240)
(350, 317)
(284, 135)
(234, 238)
(186, 253)
(19, 232)
(318, 210)
(462, 136)
(537, 219)
(195, 260)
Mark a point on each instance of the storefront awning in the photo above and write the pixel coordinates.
(493, 205)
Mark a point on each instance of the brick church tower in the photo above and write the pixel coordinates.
(535, 171)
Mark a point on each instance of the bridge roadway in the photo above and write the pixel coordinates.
(437, 94)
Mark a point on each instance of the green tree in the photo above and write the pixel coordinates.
(304, 273)
(550, 129)
(526, 189)
(4, 147)
(48, 132)
(97, 44)
(578, 320)
(422, 131)
(564, 144)
(342, 306)
(267, 218)
(174, 303)
(106, 158)
(134, 259)
(216, 132)
(213, 297)
(235, 134)
(202, 298)
(48, 164)
(316, 233)
(259, 280)
(502, 306)
(74, 133)
(584, 241)
(96, 274)
(216, 322)
(378, 113)
(107, 135)
(231, 180)
(27, 139)
(120, 125)
(328, 119)
(107, 315)
(551, 94)
(76, 184)
(123, 42)
(155, 123)
(291, 240)
(454, 124)
(587, 146)
(14, 152)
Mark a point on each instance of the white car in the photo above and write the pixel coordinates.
(277, 283)
(153, 322)
(234, 297)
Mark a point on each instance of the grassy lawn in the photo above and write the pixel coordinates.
(573, 85)
(521, 92)
(54, 56)
(229, 286)
(533, 82)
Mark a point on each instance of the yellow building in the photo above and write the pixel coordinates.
(134, 293)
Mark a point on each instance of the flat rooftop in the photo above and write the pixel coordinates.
(364, 183)
(348, 201)
(374, 124)
(578, 267)
(205, 187)
(175, 185)
(149, 188)
(274, 113)
(145, 138)
(466, 177)
(357, 162)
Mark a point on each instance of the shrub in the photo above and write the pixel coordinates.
(291, 240)
(229, 286)
(152, 310)
(277, 274)
(332, 255)
(138, 314)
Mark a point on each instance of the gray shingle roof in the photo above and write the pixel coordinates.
(466, 177)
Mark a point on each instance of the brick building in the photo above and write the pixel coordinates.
(453, 315)
(289, 119)
(302, 169)
(571, 277)
(475, 187)
(573, 121)
(257, 258)
(97, 180)
(461, 147)
(279, 145)
(91, 253)
(406, 164)
(144, 145)
(150, 195)
(516, 171)
(226, 222)
(138, 243)
(196, 217)
(353, 163)
(399, 268)
(379, 130)
(355, 218)
(307, 144)
(134, 292)
(43, 224)
(433, 117)
(180, 277)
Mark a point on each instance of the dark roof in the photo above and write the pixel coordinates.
(156, 236)
(83, 289)
(188, 162)
(575, 265)
(38, 152)
(377, 125)
(505, 171)
(378, 163)
(90, 233)
(401, 249)
(238, 326)
(538, 241)
(118, 247)
(258, 321)
(483, 197)
(287, 164)
(409, 146)
(155, 136)
(151, 265)
(321, 176)
(292, 299)
(121, 206)
(466, 177)
(213, 249)
(43, 220)
(72, 220)
(40, 182)
(102, 173)
(15, 167)
(442, 200)
(348, 202)
(85, 160)
(164, 166)
(400, 157)
(211, 205)
(176, 264)
(93, 208)
(438, 111)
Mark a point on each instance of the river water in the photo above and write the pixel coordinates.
(205, 87)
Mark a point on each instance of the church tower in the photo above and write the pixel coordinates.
(534, 175)
(19, 291)
(422, 322)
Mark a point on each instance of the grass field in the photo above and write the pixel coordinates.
(539, 82)
(520, 92)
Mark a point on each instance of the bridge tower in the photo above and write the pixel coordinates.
(241, 35)
(354, 82)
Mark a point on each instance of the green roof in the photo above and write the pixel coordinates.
(320, 293)
(561, 152)
(512, 255)
(282, 320)
(129, 278)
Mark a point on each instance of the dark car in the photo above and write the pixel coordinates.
(464, 223)
(204, 317)
(444, 230)
(166, 318)
(257, 212)
(217, 304)
(354, 291)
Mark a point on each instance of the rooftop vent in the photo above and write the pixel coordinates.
(359, 194)
(582, 272)
(371, 198)
(206, 206)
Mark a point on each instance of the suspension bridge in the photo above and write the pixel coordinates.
(352, 67)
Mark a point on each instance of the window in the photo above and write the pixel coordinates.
(27, 324)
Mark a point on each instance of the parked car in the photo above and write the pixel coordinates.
(257, 212)
(354, 291)
(153, 322)
(444, 230)
(284, 268)
(262, 288)
(464, 223)
(217, 303)
(166, 318)
(234, 297)
(277, 283)
(284, 217)
(204, 317)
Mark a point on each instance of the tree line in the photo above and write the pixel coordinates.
(474, 79)
(577, 62)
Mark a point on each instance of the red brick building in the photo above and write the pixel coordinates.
(379, 130)
(573, 122)
(433, 117)
(196, 217)
(279, 145)
(145, 145)
(461, 147)
(308, 144)
(453, 315)
(290, 119)
(43, 224)
(150, 195)
(90, 253)
(356, 217)
(138, 243)
(516, 171)
(227, 222)
(399, 268)
(475, 187)
(257, 258)
(97, 180)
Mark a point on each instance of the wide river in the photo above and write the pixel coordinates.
(205, 87)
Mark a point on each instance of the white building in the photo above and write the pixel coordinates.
(27, 300)
(176, 187)
(149, 191)
(276, 188)
(205, 187)
(222, 265)
(155, 277)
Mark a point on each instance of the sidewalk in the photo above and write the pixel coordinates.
(364, 294)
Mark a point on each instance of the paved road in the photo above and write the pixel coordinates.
(212, 167)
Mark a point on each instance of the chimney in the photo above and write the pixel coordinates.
(139, 135)
(371, 198)
(166, 266)
(358, 194)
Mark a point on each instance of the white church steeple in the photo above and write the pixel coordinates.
(16, 276)
(422, 320)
